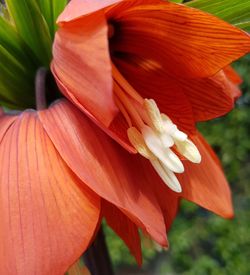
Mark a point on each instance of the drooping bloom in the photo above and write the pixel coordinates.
(146, 71)
(114, 63)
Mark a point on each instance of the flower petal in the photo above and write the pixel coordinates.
(205, 183)
(184, 100)
(78, 8)
(199, 49)
(123, 227)
(5, 123)
(118, 131)
(232, 75)
(81, 66)
(48, 216)
(103, 165)
(167, 199)
(210, 97)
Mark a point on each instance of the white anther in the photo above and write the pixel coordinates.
(166, 175)
(136, 139)
(166, 139)
(179, 135)
(188, 150)
(172, 129)
(154, 114)
(164, 154)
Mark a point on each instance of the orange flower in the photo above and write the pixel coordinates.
(115, 59)
(60, 174)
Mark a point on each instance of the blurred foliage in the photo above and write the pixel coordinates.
(27, 29)
(201, 242)
(233, 11)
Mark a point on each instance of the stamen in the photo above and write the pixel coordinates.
(123, 110)
(166, 140)
(185, 146)
(136, 139)
(172, 129)
(189, 150)
(164, 154)
(131, 110)
(125, 85)
(166, 175)
(154, 114)
(152, 133)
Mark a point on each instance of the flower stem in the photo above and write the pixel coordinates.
(40, 87)
(97, 257)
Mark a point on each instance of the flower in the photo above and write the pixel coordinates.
(61, 174)
(146, 80)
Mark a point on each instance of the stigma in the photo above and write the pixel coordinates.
(153, 134)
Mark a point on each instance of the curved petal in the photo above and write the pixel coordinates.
(104, 166)
(167, 199)
(184, 100)
(124, 228)
(210, 97)
(5, 123)
(81, 66)
(126, 4)
(118, 131)
(205, 184)
(201, 48)
(235, 78)
(232, 75)
(79, 8)
(47, 215)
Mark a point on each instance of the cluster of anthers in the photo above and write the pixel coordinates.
(153, 134)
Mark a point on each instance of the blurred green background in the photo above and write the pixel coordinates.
(201, 242)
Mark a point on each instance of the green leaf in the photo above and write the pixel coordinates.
(16, 81)
(244, 25)
(14, 44)
(177, 1)
(3, 11)
(50, 10)
(32, 27)
(235, 12)
(46, 10)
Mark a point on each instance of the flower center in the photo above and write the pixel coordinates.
(152, 133)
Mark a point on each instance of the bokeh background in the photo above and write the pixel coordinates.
(201, 242)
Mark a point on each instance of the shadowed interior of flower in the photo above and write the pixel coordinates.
(152, 133)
